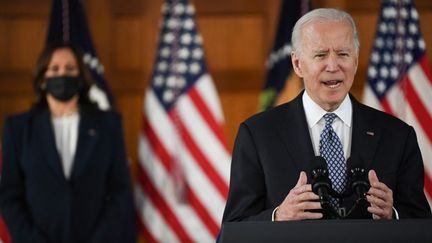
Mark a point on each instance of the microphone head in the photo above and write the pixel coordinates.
(356, 169)
(319, 167)
(318, 162)
(358, 182)
(319, 175)
(354, 162)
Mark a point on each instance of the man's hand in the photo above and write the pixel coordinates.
(299, 199)
(380, 197)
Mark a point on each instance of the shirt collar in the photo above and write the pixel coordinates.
(314, 112)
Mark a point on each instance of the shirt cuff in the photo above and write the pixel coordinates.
(273, 214)
(396, 213)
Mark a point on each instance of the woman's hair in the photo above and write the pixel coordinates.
(42, 66)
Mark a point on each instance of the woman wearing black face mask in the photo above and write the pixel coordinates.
(65, 177)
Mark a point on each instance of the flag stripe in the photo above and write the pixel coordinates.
(205, 112)
(157, 146)
(201, 159)
(207, 89)
(151, 219)
(160, 121)
(386, 105)
(203, 186)
(421, 85)
(372, 99)
(421, 137)
(165, 181)
(203, 136)
(420, 110)
(426, 70)
(143, 229)
(202, 212)
(164, 209)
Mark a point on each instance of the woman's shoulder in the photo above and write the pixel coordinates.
(21, 117)
(21, 121)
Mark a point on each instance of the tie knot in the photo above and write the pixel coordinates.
(329, 118)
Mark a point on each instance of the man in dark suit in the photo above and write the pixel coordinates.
(274, 149)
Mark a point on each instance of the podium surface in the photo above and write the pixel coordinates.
(323, 231)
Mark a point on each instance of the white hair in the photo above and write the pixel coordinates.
(321, 14)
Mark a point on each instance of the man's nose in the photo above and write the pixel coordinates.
(332, 64)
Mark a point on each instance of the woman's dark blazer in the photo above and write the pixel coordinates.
(40, 205)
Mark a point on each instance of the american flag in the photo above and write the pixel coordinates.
(68, 23)
(399, 78)
(184, 161)
(278, 63)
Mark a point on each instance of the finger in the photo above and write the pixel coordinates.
(373, 178)
(380, 197)
(302, 179)
(302, 189)
(377, 193)
(379, 213)
(381, 186)
(307, 196)
(373, 210)
(309, 205)
(377, 202)
(310, 215)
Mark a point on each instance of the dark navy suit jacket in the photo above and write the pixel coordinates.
(40, 205)
(272, 148)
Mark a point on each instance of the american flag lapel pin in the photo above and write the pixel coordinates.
(370, 133)
(91, 132)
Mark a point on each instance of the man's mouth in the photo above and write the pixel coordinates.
(332, 83)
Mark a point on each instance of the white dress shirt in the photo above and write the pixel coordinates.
(342, 124)
(66, 136)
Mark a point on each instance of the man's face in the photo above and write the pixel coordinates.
(327, 62)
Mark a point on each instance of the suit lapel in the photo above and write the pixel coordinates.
(295, 133)
(46, 141)
(88, 134)
(365, 135)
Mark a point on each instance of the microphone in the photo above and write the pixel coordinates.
(321, 184)
(359, 182)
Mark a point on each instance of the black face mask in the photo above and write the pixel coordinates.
(63, 88)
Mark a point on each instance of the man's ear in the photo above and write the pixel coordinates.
(295, 60)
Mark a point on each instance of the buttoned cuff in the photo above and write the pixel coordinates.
(273, 214)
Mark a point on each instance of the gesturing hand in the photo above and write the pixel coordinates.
(299, 199)
(380, 197)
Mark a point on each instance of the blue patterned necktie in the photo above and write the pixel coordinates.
(331, 150)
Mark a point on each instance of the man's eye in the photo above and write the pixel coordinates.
(321, 55)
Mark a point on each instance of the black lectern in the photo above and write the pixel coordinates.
(323, 231)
